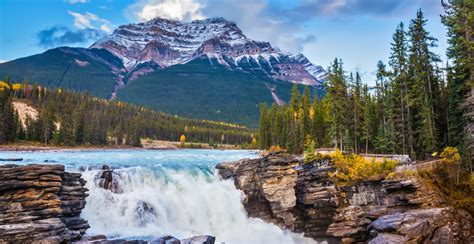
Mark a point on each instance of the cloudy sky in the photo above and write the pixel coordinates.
(358, 31)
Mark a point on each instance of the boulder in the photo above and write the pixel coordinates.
(109, 180)
(388, 239)
(199, 240)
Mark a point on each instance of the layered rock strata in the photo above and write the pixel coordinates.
(283, 190)
(41, 202)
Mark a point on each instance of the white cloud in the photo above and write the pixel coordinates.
(333, 6)
(82, 21)
(90, 21)
(3, 61)
(260, 22)
(169, 9)
(106, 28)
(77, 1)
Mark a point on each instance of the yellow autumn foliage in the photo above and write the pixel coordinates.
(451, 156)
(17, 86)
(4, 85)
(182, 138)
(311, 113)
(354, 168)
(254, 142)
(276, 148)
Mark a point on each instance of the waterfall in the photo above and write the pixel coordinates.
(154, 201)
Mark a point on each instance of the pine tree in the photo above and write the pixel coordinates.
(306, 110)
(264, 134)
(66, 131)
(319, 122)
(357, 111)
(423, 87)
(48, 126)
(295, 136)
(381, 86)
(366, 134)
(337, 102)
(79, 127)
(459, 18)
(398, 63)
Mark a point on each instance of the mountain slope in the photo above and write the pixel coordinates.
(76, 69)
(203, 88)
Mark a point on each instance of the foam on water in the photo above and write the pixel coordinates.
(166, 192)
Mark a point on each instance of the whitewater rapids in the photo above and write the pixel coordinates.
(180, 203)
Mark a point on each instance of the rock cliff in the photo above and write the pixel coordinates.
(41, 202)
(282, 189)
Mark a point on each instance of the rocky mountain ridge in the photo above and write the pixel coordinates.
(161, 43)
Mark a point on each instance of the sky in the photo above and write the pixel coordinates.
(357, 31)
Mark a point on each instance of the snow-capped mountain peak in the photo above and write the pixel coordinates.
(169, 42)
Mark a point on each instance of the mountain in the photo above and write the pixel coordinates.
(205, 69)
(169, 42)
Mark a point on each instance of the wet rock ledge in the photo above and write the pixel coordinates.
(41, 202)
(282, 189)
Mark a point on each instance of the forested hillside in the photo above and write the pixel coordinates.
(203, 88)
(76, 69)
(73, 119)
(415, 107)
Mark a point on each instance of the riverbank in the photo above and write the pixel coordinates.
(40, 147)
(147, 144)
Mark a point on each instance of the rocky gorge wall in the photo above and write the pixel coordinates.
(41, 202)
(282, 189)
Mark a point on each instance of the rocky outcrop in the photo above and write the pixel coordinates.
(299, 200)
(41, 202)
(282, 189)
(431, 225)
(269, 187)
(107, 179)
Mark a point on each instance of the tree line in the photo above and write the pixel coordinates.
(73, 119)
(415, 107)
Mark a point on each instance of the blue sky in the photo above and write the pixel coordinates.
(358, 31)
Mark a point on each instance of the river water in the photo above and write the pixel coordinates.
(175, 192)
